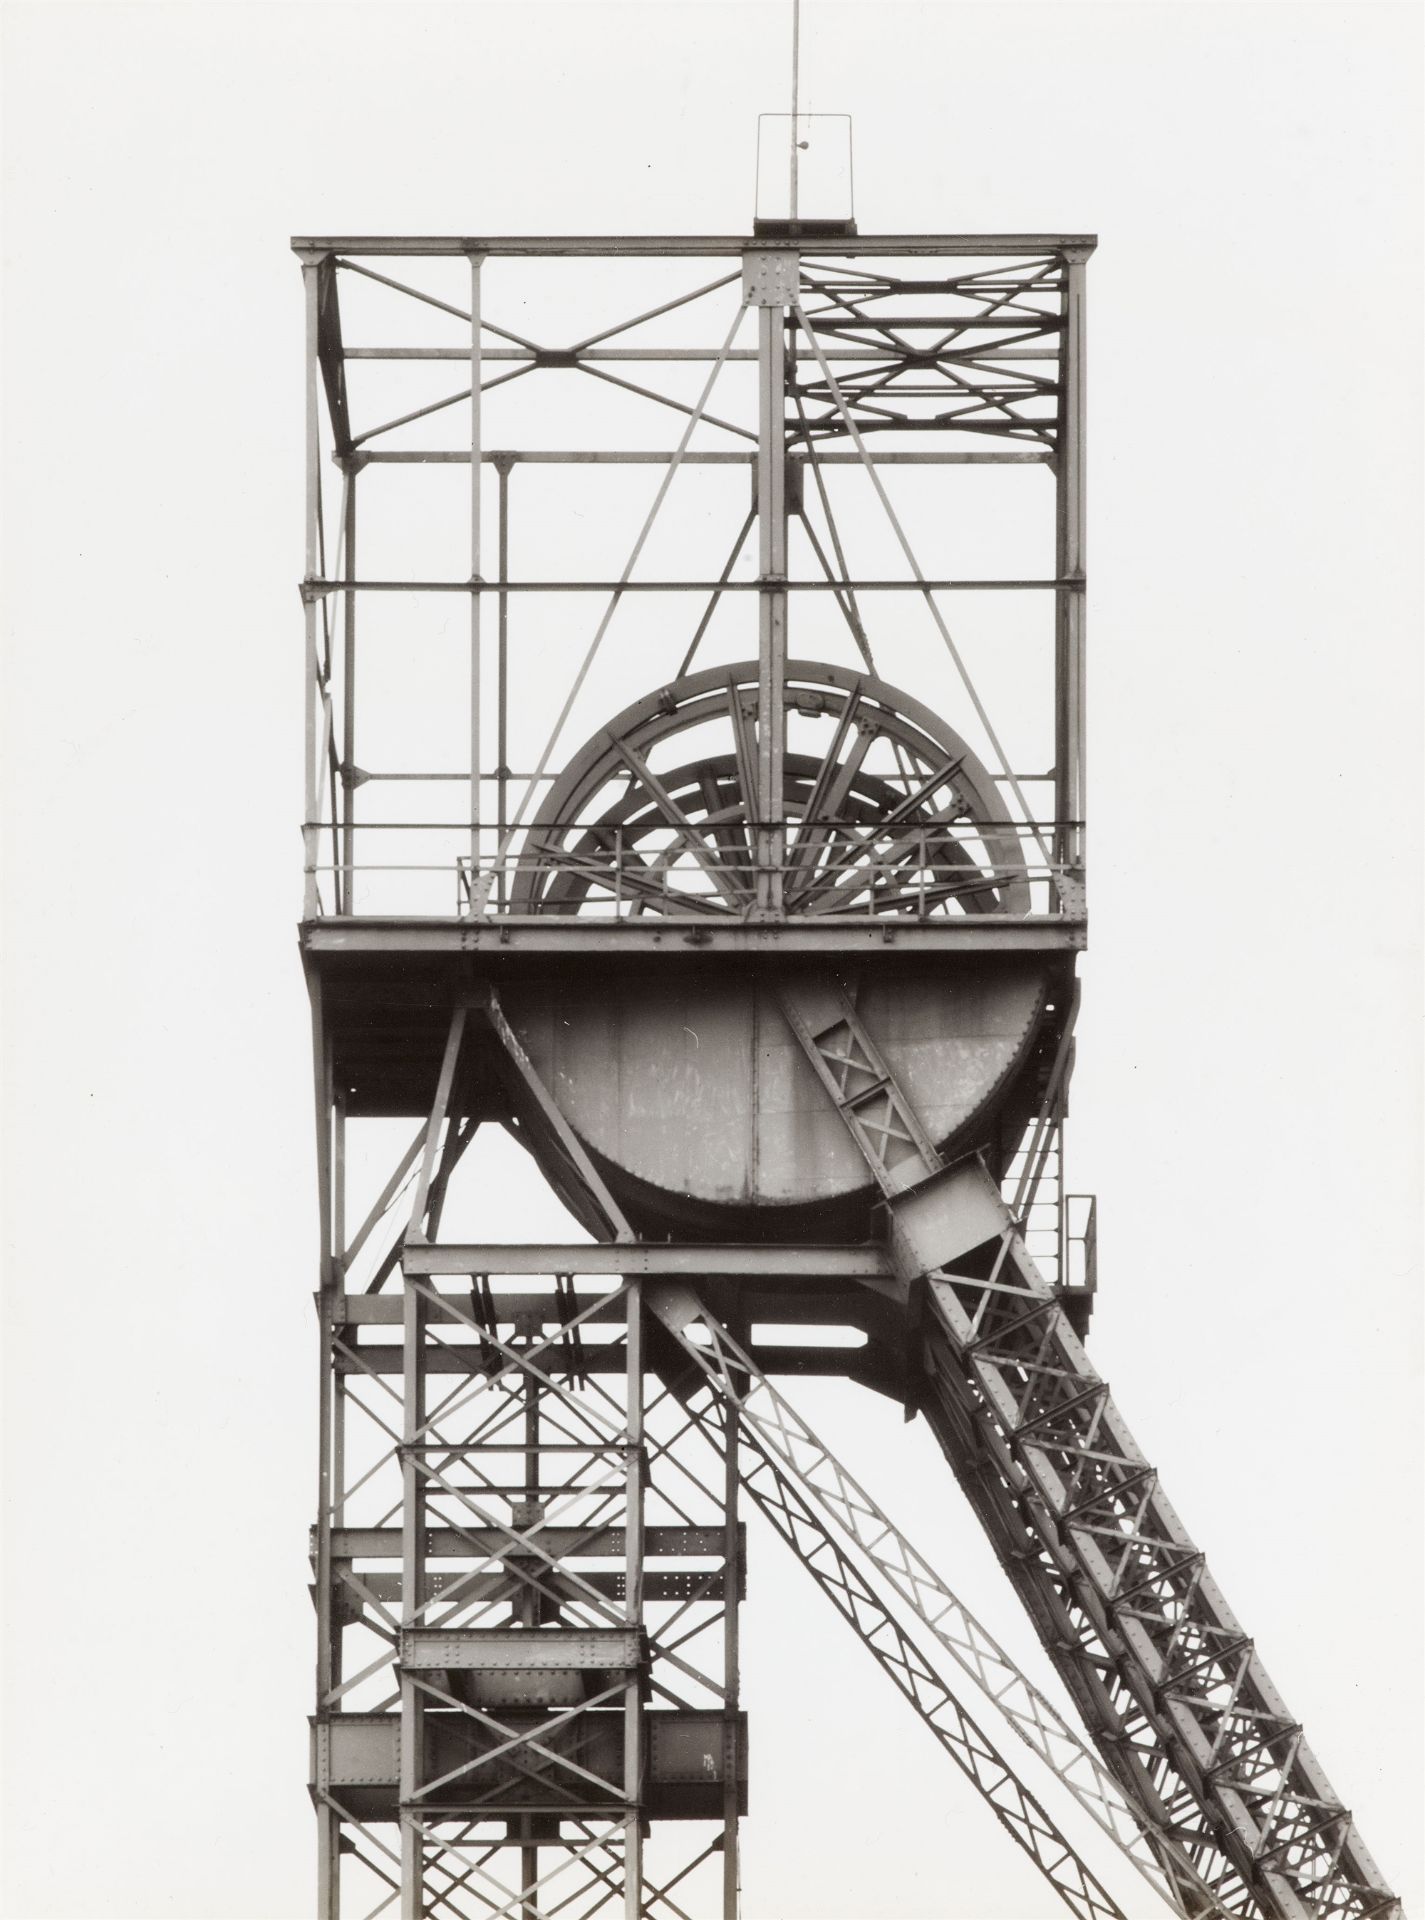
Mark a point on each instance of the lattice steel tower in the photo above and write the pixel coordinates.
(774, 977)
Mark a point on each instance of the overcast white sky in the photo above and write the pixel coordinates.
(1247, 1098)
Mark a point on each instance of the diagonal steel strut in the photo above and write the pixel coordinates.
(844, 1582)
(794, 1477)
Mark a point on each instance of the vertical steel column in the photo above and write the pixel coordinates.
(528, 1606)
(413, 1489)
(347, 899)
(332, 1323)
(503, 464)
(311, 287)
(328, 1632)
(337, 1108)
(412, 1589)
(731, 1667)
(772, 572)
(476, 470)
(328, 1672)
(1069, 570)
(633, 1607)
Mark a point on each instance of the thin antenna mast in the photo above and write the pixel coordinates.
(796, 62)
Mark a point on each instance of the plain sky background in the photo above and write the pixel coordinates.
(1247, 1096)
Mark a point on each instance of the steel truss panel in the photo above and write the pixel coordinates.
(552, 1693)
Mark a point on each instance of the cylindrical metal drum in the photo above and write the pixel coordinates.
(706, 1119)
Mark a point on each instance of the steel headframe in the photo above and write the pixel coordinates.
(527, 1579)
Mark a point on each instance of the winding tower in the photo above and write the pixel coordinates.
(694, 790)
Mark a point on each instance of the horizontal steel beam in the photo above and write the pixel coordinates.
(654, 456)
(787, 1298)
(446, 1357)
(319, 587)
(561, 1543)
(386, 1309)
(356, 1761)
(507, 938)
(694, 246)
(637, 355)
(496, 1650)
(689, 1584)
(660, 1260)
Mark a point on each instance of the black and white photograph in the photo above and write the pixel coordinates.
(712, 959)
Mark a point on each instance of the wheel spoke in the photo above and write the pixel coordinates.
(726, 884)
(857, 841)
(818, 801)
(729, 835)
(923, 849)
(744, 741)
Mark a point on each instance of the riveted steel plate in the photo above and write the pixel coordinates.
(529, 1650)
(687, 1747)
(769, 279)
(562, 1543)
(522, 1687)
(356, 1750)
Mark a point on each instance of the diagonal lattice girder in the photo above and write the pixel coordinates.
(1127, 1561)
(1214, 1700)
(801, 1487)
(796, 1520)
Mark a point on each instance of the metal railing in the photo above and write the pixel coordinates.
(813, 869)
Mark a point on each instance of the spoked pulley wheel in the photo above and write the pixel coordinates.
(886, 810)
